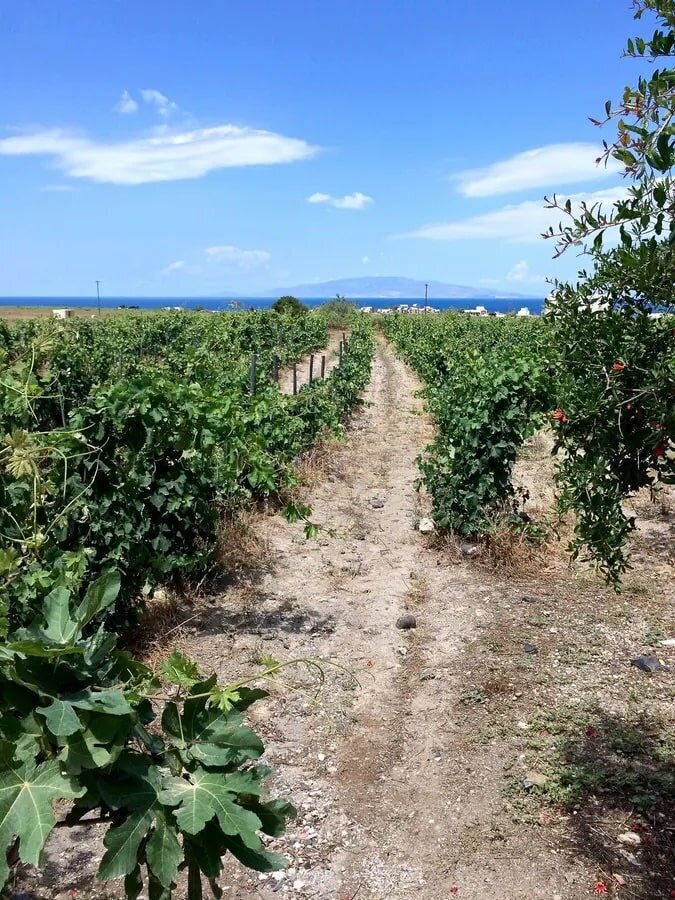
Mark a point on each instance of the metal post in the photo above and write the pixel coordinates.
(252, 373)
(98, 297)
(344, 338)
(323, 367)
(311, 368)
(295, 379)
(276, 369)
(340, 360)
(426, 292)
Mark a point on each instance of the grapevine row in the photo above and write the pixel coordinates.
(112, 481)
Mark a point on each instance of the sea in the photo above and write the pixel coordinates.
(493, 305)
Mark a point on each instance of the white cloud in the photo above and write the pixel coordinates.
(521, 272)
(126, 104)
(357, 200)
(365, 259)
(550, 166)
(161, 157)
(520, 223)
(236, 256)
(160, 101)
(179, 265)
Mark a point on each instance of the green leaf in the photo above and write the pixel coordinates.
(111, 701)
(59, 626)
(98, 745)
(206, 795)
(60, 718)
(136, 785)
(157, 891)
(180, 671)
(273, 815)
(163, 852)
(101, 594)
(40, 649)
(122, 843)
(260, 860)
(26, 795)
(133, 884)
(227, 745)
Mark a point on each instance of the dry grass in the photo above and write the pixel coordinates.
(318, 462)
(513, 553)
(241, 551)
(160, 628)
(417, 593)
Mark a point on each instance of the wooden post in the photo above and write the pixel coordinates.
(340, 359)
(276, 369)
(344, 338)
(323, 367)
(252, 373)
(295, 379)
(311, 368)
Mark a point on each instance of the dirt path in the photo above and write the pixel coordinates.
(412, 784)
(394, 795)
(331, 354)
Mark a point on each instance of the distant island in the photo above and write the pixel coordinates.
(388, 288)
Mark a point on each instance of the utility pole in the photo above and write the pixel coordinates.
(426, 291)
(98, 296)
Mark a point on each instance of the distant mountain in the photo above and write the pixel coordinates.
(387, 288)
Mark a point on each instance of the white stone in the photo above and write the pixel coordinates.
(631, 838)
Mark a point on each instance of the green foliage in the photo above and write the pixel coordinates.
(339, 312)
(289, 306)
(166, 760)
(121, 446)
(488, 384)
(137, 473)
(616, 417)
(118, 455)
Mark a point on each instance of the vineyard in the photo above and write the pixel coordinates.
(489, 384)
(131, 442)
(126, 443)
(332, 604)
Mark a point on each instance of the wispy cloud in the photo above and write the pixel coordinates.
(163, 157)
(543, 167)
(236, 256)
(521, 272)
(175, 266)
(357, 200)
(365, 259)
(517, 223)
(160, 101)
(126, 105)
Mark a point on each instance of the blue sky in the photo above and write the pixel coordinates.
(169, 148)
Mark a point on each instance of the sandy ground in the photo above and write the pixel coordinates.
(411, 782)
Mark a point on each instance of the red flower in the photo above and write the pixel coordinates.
(600, 887)
(591, 732)
(454, 889)
(618, 367)
(369, 663)
(659, 451)
(558, 415)
(672, 893)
